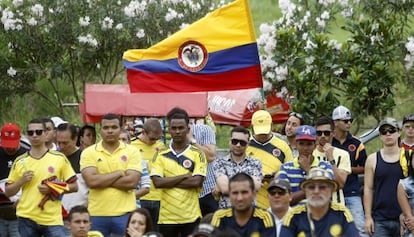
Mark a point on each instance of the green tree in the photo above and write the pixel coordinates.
(302, 61)
(75, 42)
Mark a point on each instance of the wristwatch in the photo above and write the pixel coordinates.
(193, 141)
(332, 162)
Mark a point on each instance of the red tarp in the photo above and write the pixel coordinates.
(234, 107)
(102, 99)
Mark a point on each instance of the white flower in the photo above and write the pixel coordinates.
(32, 21)
(338, 72)
(281, 72)
(88, 39)
(348, 12)
(309, 60)
(37, 10)
(266, 28)
(11, 72)
(320, 22)
(9, 22)
(135, 8)
(410, 45)
(84, 21)
(183, 25)
(140, 34)
(270, 75)
(98, 66)
(17, 3)
(310, 44)
(171, 14)
(107, 23)
(119, 26)
(325, 15)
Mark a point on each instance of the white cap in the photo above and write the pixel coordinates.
(58, 121)
(341, 112)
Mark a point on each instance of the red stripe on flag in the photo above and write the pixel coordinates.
(244, 78)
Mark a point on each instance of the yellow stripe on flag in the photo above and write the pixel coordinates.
(226, 27)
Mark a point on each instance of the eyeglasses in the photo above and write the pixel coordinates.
(237, 141)
(297, 115)
(37, 131)
(321, 187)
(347, 120)
(389, 130)
(279, 192)
(325, 133)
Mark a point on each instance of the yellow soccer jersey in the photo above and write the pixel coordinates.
(148, 152)
(111, 201)
(53, 163)
(343, 162)
(179, 205)
(272, 154)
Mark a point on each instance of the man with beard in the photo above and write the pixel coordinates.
(178, 172)
(320, 216)
(236, 162)
(243, 217)
(112, 170)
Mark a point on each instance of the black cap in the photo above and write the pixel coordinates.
(408, 118)
(280, 183)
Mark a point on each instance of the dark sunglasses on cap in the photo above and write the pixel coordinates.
(325, 133)
(37, 131)
(297, 115)
(279, 192)
(347, 120)
(387, 130)
(237, 141)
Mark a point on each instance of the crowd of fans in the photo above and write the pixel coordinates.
(303, 181)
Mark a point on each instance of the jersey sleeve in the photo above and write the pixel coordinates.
(17, 170)
(135, 160)
(87, 159)
(200, 165)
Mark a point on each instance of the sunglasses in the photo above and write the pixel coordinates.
(325, 133)
(153, 139)
(279, 192)
(237, 141)
(389, 130)
(321, 187)
(347, 120)
(37, 131)
(297, 115)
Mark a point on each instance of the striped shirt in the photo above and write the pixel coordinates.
(205, 135)
(292, 172)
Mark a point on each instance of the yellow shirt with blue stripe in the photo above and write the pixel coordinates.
(272, 154)
(179, 205)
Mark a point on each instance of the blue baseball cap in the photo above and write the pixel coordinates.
(306, 132)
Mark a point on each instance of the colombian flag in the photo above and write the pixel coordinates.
(218, 52)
